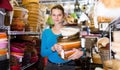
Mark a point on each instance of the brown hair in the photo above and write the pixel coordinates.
(58, 7)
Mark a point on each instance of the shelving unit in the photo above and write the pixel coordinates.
(57, 1)
(21, 33)
(4, 56)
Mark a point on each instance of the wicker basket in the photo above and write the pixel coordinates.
(29, 1)
(89, 42)
(33, 15)
(32, 4)
(108, 65)
(20, 12)
(36, 8)
(96, 59)
(104, 54)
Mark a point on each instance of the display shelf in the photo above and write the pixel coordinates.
(17, 34)
(23, 33)
(56, 1)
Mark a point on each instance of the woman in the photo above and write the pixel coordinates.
(49, 46)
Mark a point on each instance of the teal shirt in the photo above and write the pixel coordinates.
(47, 41)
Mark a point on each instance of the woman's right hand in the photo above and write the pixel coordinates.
(57, 48)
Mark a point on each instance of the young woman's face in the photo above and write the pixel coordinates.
(57, 16)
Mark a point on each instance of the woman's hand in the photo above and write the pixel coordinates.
(76, 55)
(57, 48)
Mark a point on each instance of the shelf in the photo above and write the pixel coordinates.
(26, 66)
(56, 1)
(22, 33)
(60, 1)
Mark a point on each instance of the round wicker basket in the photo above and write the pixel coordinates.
(104, 54)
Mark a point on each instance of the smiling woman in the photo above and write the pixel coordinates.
(50, 47)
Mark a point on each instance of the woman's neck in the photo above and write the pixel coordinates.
(58, 26)
(56, 29)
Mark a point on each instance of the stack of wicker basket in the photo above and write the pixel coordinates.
(114, 64)
(104, 52)
(33, 14)
(19, 20)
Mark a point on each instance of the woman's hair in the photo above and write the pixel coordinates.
(58, 7)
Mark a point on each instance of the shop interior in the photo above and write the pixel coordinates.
(22, 23)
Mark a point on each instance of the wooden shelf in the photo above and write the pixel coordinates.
(26, 66)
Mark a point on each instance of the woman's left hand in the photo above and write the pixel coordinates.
(76, 55)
